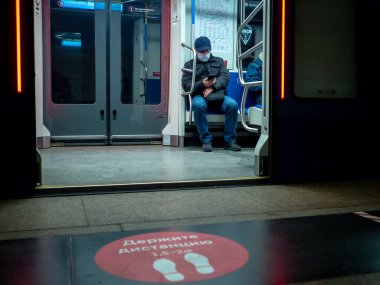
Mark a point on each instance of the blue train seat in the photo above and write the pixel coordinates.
(235, 90)
(153, 92)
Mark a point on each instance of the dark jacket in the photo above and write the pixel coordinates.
(214, 65)
(255, 73)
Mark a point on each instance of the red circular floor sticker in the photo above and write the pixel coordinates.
(171, 257)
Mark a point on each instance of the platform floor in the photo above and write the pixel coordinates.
(316, 233)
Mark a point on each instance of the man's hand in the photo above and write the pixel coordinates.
(207, 91)
(209, 83)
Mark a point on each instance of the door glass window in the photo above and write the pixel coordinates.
(141, 52)
(72, 52)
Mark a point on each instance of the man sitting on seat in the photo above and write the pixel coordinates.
(207, 64)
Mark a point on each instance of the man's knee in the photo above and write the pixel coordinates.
(232, 105)
(198, 103)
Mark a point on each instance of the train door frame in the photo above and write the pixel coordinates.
(173, 133)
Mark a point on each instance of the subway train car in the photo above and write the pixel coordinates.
(93, 95)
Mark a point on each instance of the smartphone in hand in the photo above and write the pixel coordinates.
(211, 76)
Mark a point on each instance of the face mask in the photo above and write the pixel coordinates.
(203, 56)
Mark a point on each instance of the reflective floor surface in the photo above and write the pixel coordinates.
(274, 251)
(315, 233)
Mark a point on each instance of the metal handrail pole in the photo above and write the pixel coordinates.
(188, 93)
(241, 56)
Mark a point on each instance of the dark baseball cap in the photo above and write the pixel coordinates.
(202, 44)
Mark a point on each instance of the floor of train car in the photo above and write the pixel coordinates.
(72, 165)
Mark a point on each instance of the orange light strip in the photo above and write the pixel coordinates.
(18, 45)
(283, 52)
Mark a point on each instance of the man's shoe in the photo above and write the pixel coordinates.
(232, 146)
(207, 147)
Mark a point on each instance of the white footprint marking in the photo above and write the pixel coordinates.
(201, 263)
(167, 268)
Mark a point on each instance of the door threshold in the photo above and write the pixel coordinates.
(48, 190)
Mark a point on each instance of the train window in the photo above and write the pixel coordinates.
(325, 49)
